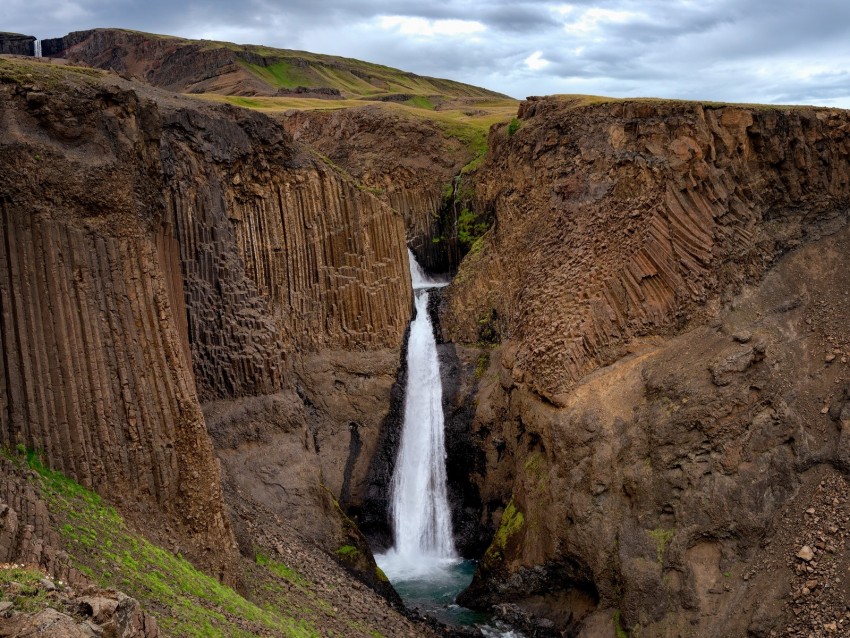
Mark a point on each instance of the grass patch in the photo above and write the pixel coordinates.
(186, 601)
(421, 102)
(22, 587)
(513, 127)
(284, 74)
(282, 570)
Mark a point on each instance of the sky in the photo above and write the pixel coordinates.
(766, 51)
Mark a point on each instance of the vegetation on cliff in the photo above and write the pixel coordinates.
(186, 601)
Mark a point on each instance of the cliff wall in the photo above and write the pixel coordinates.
(662, 397)
(94, 374)
(17, 44)
(620, 220)
(281, 255)
(406, 161)
(159, 254)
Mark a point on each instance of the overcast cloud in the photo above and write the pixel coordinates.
(772, 51)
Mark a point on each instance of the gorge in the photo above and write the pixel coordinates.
(211, 325)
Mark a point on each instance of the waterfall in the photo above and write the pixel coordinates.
(419, 501)
(418, 277)
(37, 48)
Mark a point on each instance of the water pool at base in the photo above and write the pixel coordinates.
(433, 592)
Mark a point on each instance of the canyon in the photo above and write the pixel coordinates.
(204, 322)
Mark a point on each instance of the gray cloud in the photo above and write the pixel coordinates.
(757, 51)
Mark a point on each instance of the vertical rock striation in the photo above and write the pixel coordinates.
(280, 255)
(665, 284)
(406, 161)
(619, 220)
(95, 375)
(157, 254)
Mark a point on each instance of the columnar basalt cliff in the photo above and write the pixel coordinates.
(406, 161)
(94, 374)
(159, 254)
(701, 199)
(281, 255)
(645, 359)
(659, 401)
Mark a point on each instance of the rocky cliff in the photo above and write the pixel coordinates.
(95, 374)
(663, 282)
(158, 255)
(17, 44)
(405, 160)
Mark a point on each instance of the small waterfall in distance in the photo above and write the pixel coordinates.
(419, 502)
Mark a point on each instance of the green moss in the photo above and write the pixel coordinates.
(282, 570)
(470, 228)
(482, 364)
(348, 552)
(536, 471)
(511, 523)
(618, 626)
(379, 573)
(186, 601)
(421, 102)
(661, 537)
(513, 127)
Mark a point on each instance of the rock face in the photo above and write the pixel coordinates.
(665, 281)
(701, 200)
(158, 255)
(406, 162)
(17, 44)
(26, 533)
(95, 371)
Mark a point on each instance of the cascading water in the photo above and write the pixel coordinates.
(423, 565)
(419, 503)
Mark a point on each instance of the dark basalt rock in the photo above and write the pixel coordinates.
(17, 44)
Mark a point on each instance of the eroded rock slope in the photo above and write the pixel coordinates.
(665, 284)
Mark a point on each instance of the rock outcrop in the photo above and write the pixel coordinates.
(95, 374)
(17, 44)
(159, 254)
(408, 162)
(665, 284)
(638, 218)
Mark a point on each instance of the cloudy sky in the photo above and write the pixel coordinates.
(773, 51)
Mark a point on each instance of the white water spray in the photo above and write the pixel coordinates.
(419, 501)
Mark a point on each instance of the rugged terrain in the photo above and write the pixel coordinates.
(661, 302)
(203, 66)
(411, 141)
(203, 313)
(173, 270)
